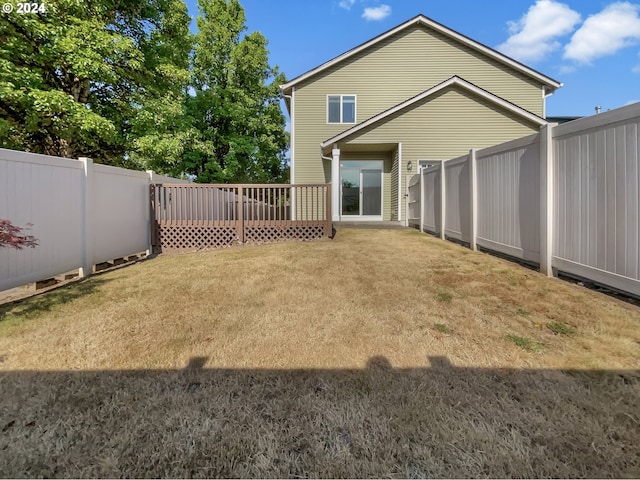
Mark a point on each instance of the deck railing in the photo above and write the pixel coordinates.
(213, 215)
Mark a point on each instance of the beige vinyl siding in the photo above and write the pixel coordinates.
(388, 73)
(413, 61)
(445, 125)
(387, 169)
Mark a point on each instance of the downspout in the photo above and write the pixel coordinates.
(292, 114)
(292, 150)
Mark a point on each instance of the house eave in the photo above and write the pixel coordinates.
(551, 84)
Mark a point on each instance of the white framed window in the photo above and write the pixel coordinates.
(341, 109)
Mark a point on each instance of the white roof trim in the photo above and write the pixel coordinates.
(452, 81)
(427, 22)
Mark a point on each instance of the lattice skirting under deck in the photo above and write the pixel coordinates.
(195, 237)
(181, 237)
(268, 234)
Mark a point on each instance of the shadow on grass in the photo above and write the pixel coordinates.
(442, 421)
(32, 307)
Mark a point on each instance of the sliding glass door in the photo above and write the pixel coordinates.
(361, 184)
(371, 188)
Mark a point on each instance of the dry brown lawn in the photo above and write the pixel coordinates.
(376, 354)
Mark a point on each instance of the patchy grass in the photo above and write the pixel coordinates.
(444, 297)
(526, 343)
(318, 359)
(561, 328)
(442, 328)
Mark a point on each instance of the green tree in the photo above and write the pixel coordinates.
(235, 105)
(161, 129)
(83, 77)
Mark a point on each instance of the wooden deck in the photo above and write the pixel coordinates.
(194, 216)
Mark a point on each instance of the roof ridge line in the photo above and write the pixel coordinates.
(443, 29)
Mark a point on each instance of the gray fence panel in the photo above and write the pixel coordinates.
(596, 191)
(509, 198)
(458, 198)
(431, 181)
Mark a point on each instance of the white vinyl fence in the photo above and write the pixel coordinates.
(82, 214)
(567, 198)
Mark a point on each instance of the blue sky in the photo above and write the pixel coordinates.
(592, 46)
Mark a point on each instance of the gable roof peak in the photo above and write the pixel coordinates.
(427, 22)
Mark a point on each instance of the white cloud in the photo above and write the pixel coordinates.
(346, 4)
(534, 36)
(631, 102)
(602, 34)
(566, 69)
(377, 13)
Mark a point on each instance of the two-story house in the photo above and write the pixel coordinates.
(367, 119)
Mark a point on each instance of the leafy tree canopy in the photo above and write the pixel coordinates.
(236, 102)
(74, 79)
(123, 82)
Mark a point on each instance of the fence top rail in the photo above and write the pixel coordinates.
(37, 158)
(507, 146)
(456, 161)
(111, 170)
(621, 114)
(247, 185)
(433, 168)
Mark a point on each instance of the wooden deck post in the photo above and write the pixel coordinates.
(240, 214)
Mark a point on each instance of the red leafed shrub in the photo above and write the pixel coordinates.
(11, 236)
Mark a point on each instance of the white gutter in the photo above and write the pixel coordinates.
(292, 135)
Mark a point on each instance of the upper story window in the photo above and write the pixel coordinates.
(341, 109)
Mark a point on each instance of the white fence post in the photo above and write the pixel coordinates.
(546, 199)
(422, 198)
(443, 201)
(336, 187)
(87, 217)
(151, 173)
(407, 180)
(473, 184)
